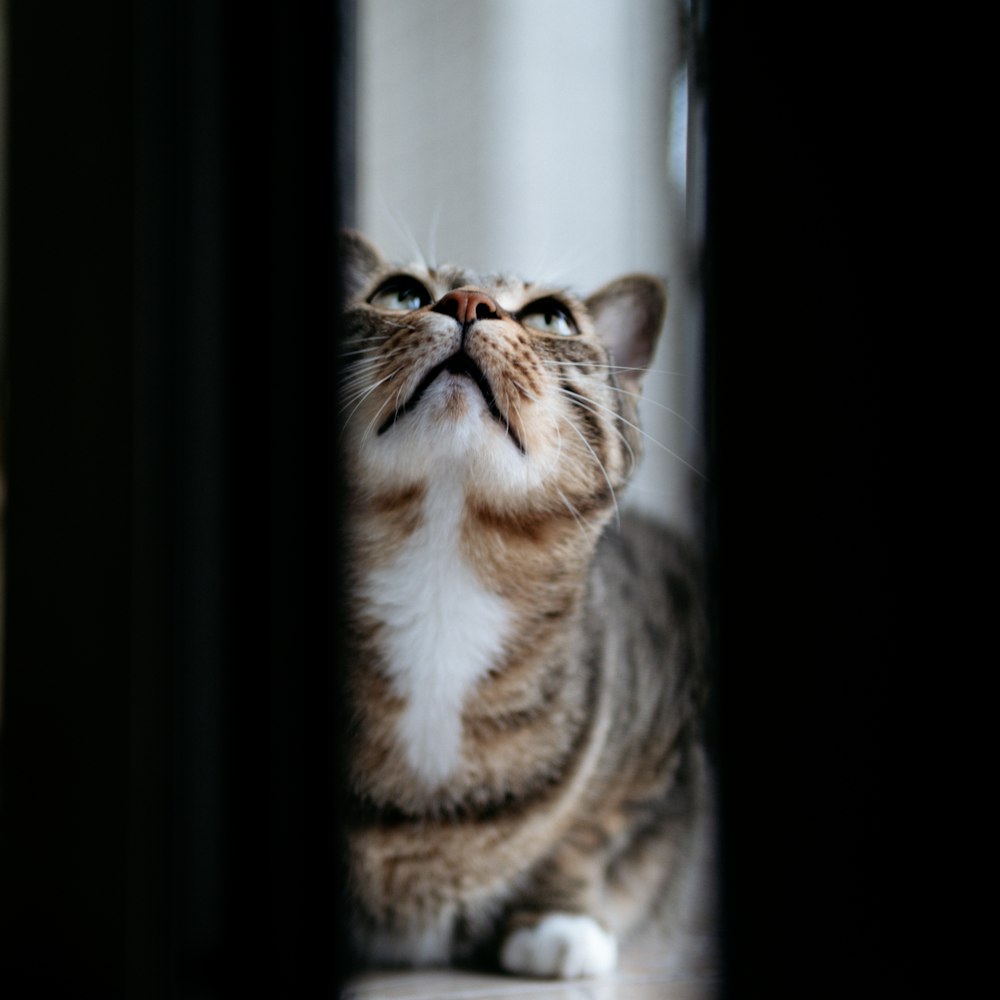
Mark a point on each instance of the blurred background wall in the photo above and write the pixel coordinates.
(546, 138)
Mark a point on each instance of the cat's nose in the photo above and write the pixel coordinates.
(467, 305)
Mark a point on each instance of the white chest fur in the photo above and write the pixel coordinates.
(443, 630)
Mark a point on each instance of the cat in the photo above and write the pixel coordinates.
(526, 764)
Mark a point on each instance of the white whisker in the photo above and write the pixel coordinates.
(652, 402)
(406, 234)
(608, 367)
(576, 516)
(376, 418)
(582, 402)
(638, 430)
(374, 349)
(524, 391)
(600, 465)
(359, 381)
(366, 394)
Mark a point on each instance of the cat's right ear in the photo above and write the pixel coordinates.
(628, 315)
(360, 260)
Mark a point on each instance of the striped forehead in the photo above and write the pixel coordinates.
(510, 292)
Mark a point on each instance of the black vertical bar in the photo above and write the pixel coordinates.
(180, 564)
(170, 768)
(67, 671)
(810, 235)
(254, 853)
(281, 677)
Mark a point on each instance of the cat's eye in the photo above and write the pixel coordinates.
(401, 293)
(549, 316)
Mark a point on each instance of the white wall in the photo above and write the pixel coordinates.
(543, 137)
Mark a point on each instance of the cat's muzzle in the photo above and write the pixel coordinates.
(459, 363)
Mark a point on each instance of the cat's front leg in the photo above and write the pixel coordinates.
(560, 945)
(560, 929)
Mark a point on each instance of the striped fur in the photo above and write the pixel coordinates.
(527, 777)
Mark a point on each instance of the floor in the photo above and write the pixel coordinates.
(642, 975)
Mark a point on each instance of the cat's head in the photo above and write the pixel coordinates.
(523, 393)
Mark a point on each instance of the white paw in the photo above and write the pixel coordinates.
(566, 945)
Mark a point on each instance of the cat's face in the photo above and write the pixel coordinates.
(523, 394)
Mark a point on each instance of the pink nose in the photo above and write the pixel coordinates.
(467, 305)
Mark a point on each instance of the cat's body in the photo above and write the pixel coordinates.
(526, 768)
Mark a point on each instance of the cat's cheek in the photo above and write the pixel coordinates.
(560, 945)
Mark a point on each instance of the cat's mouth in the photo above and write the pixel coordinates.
(458, 364)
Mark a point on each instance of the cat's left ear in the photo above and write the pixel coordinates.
(628, 315)
(360, 260)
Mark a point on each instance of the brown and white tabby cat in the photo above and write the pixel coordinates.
(526, 769)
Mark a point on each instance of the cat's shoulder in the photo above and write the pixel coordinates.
(638, 546)
(648, 577)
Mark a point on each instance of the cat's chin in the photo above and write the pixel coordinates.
(453, 434)
(456, 404)
(457, 389)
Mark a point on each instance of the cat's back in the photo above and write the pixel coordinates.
(647, 589)
(646, 611)
(638, 552)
